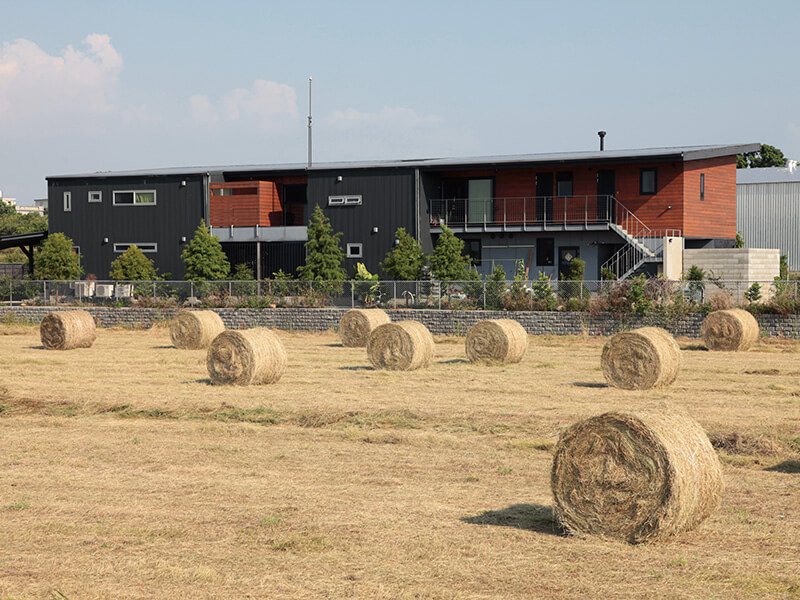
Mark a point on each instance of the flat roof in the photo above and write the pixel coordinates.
(768, 175)
(683, 153)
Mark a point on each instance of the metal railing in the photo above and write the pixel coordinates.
(544, 211)
(535, 294)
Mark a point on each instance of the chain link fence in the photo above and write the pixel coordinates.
(543, 294)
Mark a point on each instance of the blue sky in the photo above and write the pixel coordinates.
(112, 85)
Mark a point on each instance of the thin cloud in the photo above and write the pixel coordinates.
(45, 90)
(389, 117)
(266, 104)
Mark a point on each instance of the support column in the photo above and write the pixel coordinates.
(258, 261)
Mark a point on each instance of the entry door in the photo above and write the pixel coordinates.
(565, 256)
(606, 188)
(544, 197)
(479, 200)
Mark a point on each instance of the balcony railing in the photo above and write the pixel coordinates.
(540, 211)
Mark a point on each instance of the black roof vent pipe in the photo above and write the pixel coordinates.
(602, 135)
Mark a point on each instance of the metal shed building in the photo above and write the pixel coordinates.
(768, 209)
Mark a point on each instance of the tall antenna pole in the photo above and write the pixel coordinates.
(309, 122)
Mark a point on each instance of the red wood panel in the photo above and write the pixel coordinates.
(250, 203)
(715, 216)
(662, 210)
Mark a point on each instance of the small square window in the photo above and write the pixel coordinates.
(335, 200)
(352, 200)
(354, 250)
(564, 183)
(95, 196)
(648, 183)
(67, 201)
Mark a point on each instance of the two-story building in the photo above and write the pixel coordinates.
(614, 209)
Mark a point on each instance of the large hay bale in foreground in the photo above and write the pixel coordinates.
(402, 346)
(499, 340)
(248, 357)
(641, 359)
(68, 329)
(356, 325)
(636, 475)
(195, 329)
(733, 329)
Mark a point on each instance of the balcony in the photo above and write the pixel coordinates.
(531, 213)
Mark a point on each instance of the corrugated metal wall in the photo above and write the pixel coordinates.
(768, 215)
(177, 213)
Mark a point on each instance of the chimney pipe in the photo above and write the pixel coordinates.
(602, 134)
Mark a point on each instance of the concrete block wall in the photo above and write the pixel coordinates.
(735, 264)
(440, 322)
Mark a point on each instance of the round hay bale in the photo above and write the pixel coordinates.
(637, 476)
(248, 357)
(402, 346)
(499, 340)
(641, 359)
(195, 329)
(729, 330)
(356, 325)
(67, 329)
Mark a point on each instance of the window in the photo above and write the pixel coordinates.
(545, 252)
(67, 201)
(344, 200)
(564, 183)
(149, 247)
(95, 196)
(702, 186)
(473, 250)
(135, 197)
(243, 191)
(354, 250)
(647, 181)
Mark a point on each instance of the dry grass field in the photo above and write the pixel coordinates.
(125, 474)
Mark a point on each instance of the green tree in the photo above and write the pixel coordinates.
(133, 265)
(495, 287)
(324, 255)
(243, 272)
(405, 261)
(56, 260)
(203, 257)
(448, 262)
(766, 156)
(739, 241)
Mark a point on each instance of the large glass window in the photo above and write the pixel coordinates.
(135, 197)
(648, 181)
(564, 183)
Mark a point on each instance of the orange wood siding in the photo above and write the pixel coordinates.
(241, 209)
(653, 210)
(715, 216)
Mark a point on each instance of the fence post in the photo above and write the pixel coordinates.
(10, 293)
(440, 295)
(395, 293)
(352, 295)
(44, 290)
(154, 290)
(230, 289)
(191, 290)
(484, 295)
(581, 289)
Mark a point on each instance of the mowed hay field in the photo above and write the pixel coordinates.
(125, 474)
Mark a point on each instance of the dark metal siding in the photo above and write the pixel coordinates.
(387, 203)
(177, 213)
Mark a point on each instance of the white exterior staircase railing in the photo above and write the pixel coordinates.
(642, 244)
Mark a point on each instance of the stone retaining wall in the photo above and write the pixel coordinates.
(446, 322)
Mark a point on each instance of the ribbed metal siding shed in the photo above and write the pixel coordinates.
(768, 210)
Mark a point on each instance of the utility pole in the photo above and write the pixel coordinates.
(309, 122)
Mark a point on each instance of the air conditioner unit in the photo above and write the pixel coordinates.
(84, 289)
(123, 290)
(104, 290)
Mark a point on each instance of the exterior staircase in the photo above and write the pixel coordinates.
(642, 244)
